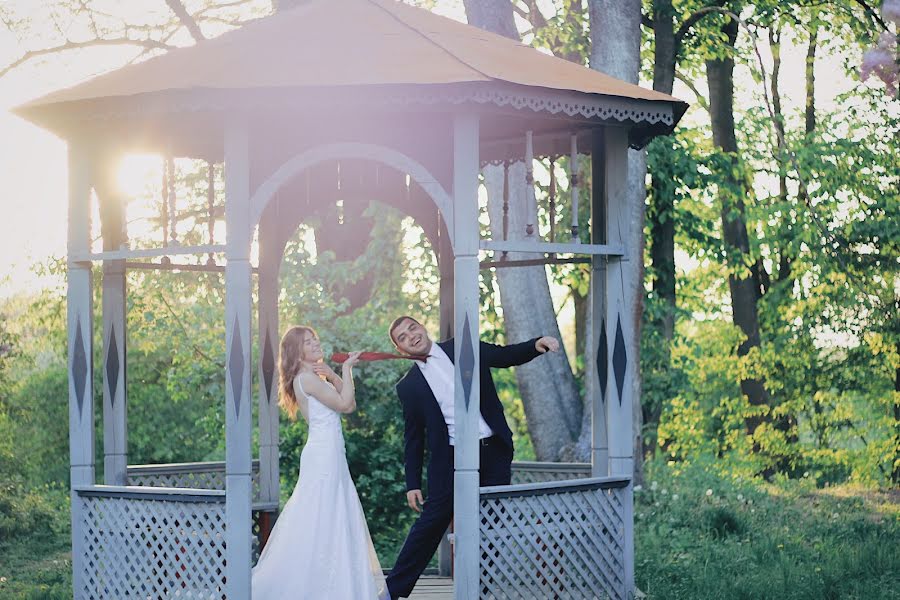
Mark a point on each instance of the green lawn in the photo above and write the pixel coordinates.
(704, 536)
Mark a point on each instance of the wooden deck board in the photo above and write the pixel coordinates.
(432, 587)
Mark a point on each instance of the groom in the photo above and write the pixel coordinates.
(426, 394)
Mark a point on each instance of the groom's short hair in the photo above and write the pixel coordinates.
(396, 323)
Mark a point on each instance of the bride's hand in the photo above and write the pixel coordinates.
(352, 359)
(323, 370)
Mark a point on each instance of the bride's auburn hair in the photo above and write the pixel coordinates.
(289, 358)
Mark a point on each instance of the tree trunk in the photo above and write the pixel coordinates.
(615, 50)
(895, 472)
(661, 211)
(744, 283)
(553, 408)
(662, 197)
(549, 393)
(785, 422)
(492, 15)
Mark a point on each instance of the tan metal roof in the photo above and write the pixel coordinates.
(333, 43)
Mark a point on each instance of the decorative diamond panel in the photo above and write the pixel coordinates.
(561, 544)
(112, 365)
(79, 366)
(141, 548)
(467, 361)
(236, 366)
(268, 366)
(620, 359)
(603, 360)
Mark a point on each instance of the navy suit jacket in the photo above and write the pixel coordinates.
(424, 421)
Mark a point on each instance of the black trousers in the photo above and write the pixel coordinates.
(425, 535)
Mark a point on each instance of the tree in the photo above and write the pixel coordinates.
(74, 25)
(553, 407)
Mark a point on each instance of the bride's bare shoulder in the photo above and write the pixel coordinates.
(308, 381)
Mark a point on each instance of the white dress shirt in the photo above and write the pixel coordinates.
(439, 373)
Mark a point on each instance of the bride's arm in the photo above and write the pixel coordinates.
(343, 401)
(333, 378)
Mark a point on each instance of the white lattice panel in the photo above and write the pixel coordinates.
(152, 549)
(212, 477)
(204, 480)
(541, 472)
(566, 544)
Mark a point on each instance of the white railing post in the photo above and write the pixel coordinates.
(238, 403)
(597, 359)
(267, 281)
(622, 361)
(467, 402)
(113, 230)
(79, 309)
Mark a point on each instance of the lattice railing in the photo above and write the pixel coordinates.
(539, 472)
(160, 544)
(555, 540)
(524, 472)
(199, 475)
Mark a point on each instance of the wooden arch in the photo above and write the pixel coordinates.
(351, 150)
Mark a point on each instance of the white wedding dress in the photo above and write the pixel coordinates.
(320, 547)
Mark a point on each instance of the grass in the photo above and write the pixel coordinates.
(35, 572)
(698, 534)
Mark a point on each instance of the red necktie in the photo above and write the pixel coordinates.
(340, 357)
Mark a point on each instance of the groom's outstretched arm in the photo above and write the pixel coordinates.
(414, 442)
(509, 356)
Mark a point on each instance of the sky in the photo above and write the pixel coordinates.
(33, 161)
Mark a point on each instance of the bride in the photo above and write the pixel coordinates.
(320, 547)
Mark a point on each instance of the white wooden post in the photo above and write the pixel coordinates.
(620, 335)
(267, 278)
(79, 308)
(575, 180)
(598, 361)
(446, 285)
(238, 406)
(445, 328)
(531, 226)
(115, 428)
(467, 397)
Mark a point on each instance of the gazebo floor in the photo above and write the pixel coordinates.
(432, 587)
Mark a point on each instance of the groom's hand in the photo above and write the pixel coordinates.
(414, 496)
(546, 344)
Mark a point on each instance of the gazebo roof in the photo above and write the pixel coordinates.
(382, 46)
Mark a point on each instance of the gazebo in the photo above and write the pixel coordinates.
(350, 101)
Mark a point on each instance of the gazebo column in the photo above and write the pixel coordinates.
(467, 404)
(267, 280)
(238, 407)
(620, 334)
(445, 327)
(79, 309)
(113, 233)
(446, 285)
(598, 372)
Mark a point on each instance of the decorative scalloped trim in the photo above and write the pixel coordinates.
(569, 103)
(586, 106)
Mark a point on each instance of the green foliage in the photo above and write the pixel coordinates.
(34, 519)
